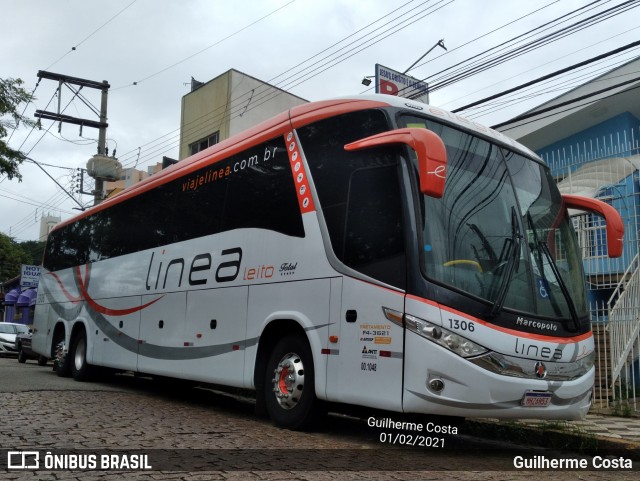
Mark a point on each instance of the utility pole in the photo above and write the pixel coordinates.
(102, 144)
(101, 167)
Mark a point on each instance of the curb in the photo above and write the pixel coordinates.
(552, 436)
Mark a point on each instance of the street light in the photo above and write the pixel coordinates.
(367, 80)
(439, 43)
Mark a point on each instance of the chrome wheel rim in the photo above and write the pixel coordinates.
(61, 354)
(288, 381)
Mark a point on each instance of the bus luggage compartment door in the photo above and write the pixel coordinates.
(366, 368)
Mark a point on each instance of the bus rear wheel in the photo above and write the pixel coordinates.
(61, 363)
(81, 370)
(291, 401)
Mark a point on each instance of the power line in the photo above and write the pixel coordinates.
(563, 104)
(259, 100)
(137, 82)
(548, 76)
(569, 109)
(478, 57)
(557, 86)
(569, 54)
(265, 93)
(451, 50)
(73, 49)
(500, 58)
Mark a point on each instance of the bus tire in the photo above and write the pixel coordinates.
(289, 386)
(81, 370)
(42, 361)
(61, 358)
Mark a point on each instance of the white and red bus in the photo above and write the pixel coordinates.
(372, 251)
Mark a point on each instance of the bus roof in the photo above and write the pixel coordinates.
(297, 117)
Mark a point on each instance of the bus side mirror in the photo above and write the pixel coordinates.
(615, 226)
(429, 147)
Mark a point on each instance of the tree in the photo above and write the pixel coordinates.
(34, 250)
(12, 95)
(12, 256)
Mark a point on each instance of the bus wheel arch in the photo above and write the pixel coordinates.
(285, 377)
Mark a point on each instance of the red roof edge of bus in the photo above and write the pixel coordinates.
(281, 123)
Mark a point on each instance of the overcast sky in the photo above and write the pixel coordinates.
(161, 44)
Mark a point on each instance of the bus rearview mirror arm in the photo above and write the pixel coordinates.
(614, 224)
(429, 147)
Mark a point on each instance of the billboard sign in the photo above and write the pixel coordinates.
(29, 276)
(390, 82)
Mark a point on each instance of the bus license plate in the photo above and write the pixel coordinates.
(537, 399)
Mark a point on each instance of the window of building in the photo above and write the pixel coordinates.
(204, 143)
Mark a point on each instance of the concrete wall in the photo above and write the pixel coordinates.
(204, 112)
(229, 104)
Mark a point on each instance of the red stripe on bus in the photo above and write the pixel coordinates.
(102, 309)
(66, 293)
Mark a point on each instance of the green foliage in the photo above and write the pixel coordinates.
(12, 256)
(11, 96)
(35, 251)
(622, 409)
(623, 398)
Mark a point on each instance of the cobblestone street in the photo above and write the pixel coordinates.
(182, 429)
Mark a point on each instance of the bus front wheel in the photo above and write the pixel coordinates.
(291, 401)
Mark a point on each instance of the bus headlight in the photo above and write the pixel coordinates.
(450, 340)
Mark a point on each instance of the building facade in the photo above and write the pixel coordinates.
(226, 105)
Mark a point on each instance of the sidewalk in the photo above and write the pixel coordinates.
(604, 434)
(612, 427)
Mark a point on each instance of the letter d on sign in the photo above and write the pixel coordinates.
(388, 88)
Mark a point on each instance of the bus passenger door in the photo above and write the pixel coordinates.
(366, 368)
(368, 237)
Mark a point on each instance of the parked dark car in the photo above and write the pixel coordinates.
(23, 348)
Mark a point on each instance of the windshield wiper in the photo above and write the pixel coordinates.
(515, 244)
(563, 286)
(543, 248)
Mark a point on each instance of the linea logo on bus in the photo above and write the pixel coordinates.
(172, 271)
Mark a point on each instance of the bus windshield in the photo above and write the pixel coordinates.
(500, 232)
